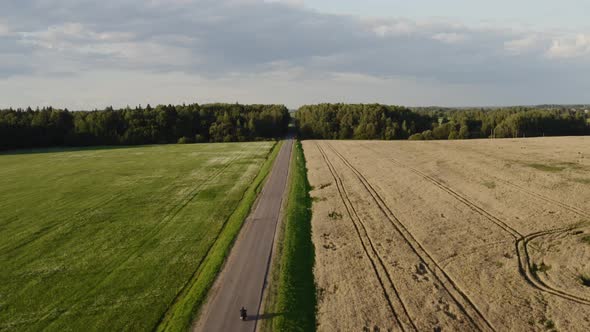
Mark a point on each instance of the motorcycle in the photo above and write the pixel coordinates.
(243, 314)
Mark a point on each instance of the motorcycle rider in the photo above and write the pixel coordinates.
(243, 314)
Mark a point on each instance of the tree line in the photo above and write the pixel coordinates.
(134, 126)
(235, 123)
(375, 121)
(360, 121)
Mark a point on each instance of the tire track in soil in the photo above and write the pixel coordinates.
(539, 283)
(563, 205)
(573, 209)
(170, 214)
(474, 250)
(521, 242)
(524, 260)
(377, 266)
(463, 302)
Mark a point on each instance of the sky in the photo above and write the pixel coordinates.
(533, 13)
(86, 54)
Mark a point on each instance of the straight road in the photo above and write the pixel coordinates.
(242, 281)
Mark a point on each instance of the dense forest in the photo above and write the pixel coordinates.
(234, 122)
(162, 124)
(358, 121)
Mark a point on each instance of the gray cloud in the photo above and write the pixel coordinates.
(224, 38)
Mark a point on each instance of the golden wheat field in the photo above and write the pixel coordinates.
(480, 235)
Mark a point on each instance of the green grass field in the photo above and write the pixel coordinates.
(113, 239)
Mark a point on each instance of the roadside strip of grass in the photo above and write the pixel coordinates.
(290, 302)
(184, 309)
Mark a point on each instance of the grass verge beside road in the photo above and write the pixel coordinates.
(183, 311)
(291, 298)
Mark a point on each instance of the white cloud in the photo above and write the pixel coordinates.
(523, 45)
(294, 3)
(80, 43)
(578, 46)
(450, 37)
(4, 30)
(392, 28)
(71, 34)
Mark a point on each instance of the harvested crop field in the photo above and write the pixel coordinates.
(113, 238)
(480, 235)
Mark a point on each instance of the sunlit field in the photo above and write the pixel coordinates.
(110, 238)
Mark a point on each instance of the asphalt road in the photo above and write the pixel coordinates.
(242, 280)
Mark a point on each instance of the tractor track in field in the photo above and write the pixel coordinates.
(48, 229)
(563, 205)
(463, 302)
(534, 278)
(566, 206)
(377, 263)
(172, 212)
(524, 241)
(474, 251)
(521, 241)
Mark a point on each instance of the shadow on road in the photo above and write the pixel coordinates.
(265, 316)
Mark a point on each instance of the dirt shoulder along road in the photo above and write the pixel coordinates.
(242, 281)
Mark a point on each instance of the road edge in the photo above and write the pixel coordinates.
(185, 310)
(272, 275)
(293, 306)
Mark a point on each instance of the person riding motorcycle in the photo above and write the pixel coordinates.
(243, 314)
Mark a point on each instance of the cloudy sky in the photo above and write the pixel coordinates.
(85, 54)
